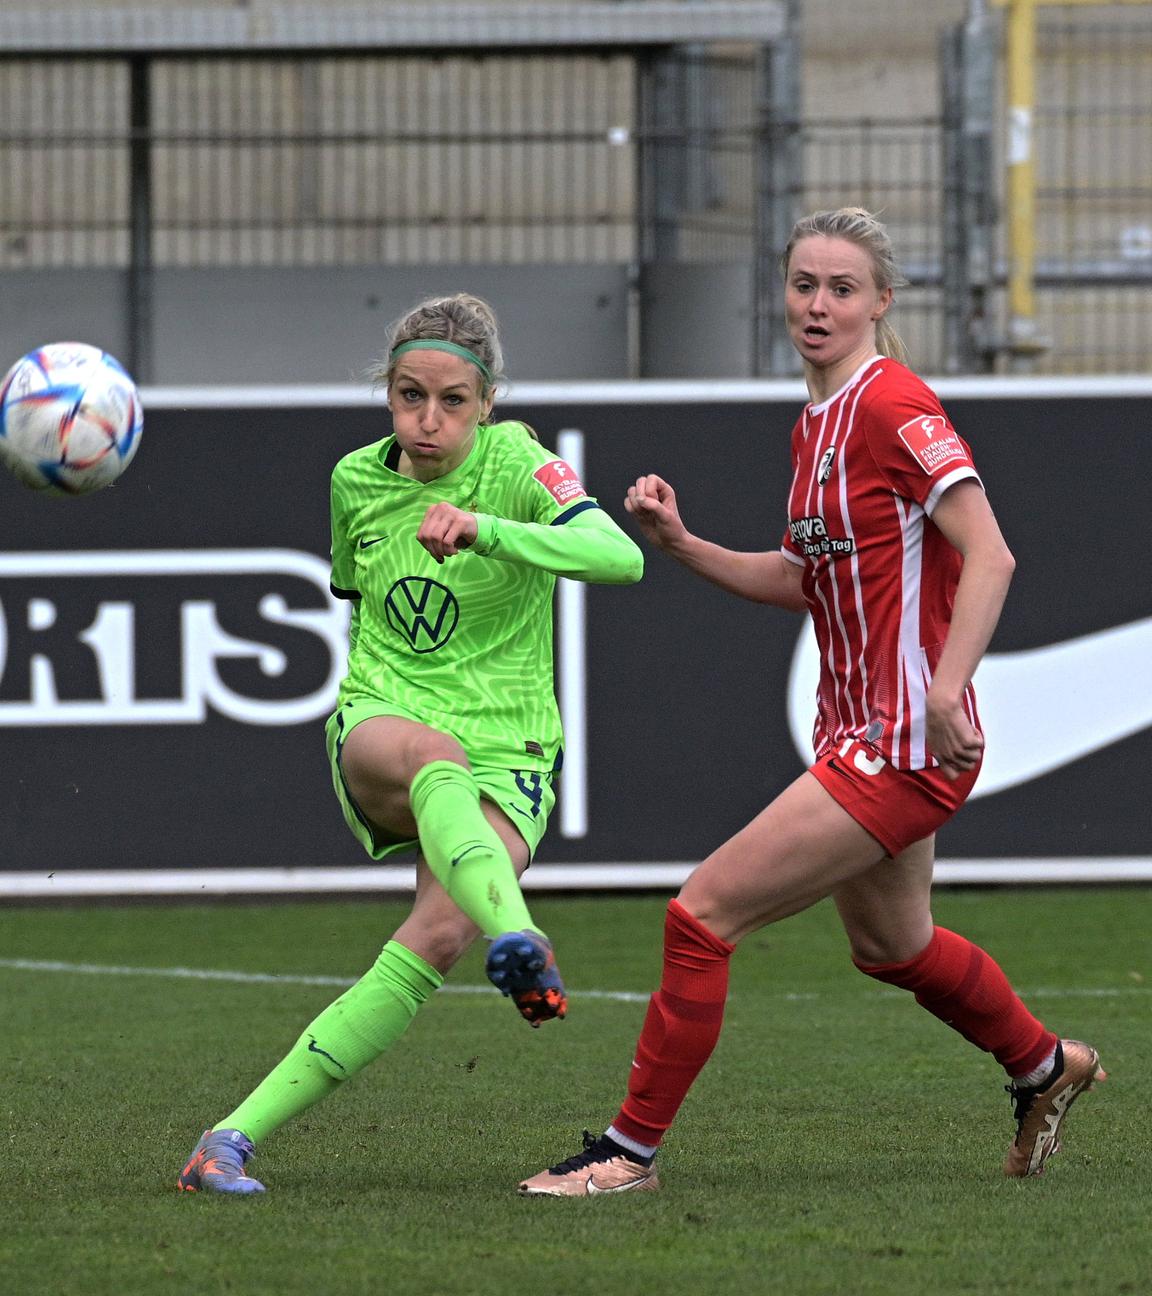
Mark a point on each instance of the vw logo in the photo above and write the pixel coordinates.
(423, 611)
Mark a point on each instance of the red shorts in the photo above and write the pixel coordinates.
(898, 807)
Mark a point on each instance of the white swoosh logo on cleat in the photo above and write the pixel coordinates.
(1040, 1149)
(593, 1187)
(1041, 708)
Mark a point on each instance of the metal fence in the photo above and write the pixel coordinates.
(304, 162)
(628, 157)
(895, 168)
(1094, 188)
(391, 159)
(64, 163)
(700, 126)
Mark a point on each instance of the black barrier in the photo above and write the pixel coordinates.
(168, 651)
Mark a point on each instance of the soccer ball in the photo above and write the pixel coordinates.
(70, 419)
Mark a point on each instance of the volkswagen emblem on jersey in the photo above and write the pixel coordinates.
(423, 611)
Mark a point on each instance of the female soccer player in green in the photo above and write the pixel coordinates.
(447, 536)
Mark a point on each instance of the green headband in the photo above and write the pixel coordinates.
(436, 344)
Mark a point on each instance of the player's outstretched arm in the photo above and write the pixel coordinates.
(589, 546)
(762, 577)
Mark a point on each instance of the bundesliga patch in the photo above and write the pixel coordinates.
(932, 442)
(558, 477)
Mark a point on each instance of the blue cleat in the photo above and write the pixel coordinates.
(521, 965)
(217, 1164)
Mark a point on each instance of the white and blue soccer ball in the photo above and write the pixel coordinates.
(70, 419)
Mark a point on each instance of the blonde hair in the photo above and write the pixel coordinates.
(461, 318)
(856, 225)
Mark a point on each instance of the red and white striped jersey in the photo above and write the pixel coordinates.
(870, 465)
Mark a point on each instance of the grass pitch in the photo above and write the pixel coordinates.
(841, 1140)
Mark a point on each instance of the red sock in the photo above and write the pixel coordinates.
(957, 982)
(681, 1028)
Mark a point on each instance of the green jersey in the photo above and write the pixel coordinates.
(464, 646)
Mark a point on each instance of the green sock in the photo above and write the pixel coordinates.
(348, 1034)
(463, 851)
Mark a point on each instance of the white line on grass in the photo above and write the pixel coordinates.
(261, 978)
(342, 983)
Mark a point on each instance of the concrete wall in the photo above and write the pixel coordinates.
(38, 306)
(321, 325)
(697, 321)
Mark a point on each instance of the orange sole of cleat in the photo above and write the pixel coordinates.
(547, 1005)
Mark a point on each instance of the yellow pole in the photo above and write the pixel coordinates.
(1020, 58)
(1020, 55)
(1069, 4)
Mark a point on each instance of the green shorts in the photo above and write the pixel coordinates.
(526, 797)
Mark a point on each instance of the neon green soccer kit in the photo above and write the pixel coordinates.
(465, 646)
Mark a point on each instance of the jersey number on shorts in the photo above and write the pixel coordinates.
(532, 788)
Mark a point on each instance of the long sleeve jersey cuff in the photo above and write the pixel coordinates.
(589, 546)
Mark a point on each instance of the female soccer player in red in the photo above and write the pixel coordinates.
(893, 550)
